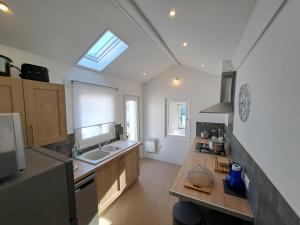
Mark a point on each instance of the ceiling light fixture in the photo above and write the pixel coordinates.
(145, 73)
(172, 13)
(184, 44)
(176, 81)
(203, 65)
(4, 7)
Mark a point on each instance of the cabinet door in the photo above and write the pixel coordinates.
(11, 100)
(122, 173)
(107, 184)
(45, 112)
(132, 166)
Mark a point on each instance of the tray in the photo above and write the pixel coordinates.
(222, 164)
(206, 190)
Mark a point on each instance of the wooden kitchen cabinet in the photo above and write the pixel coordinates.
(116, 176)
(132, 160)
(45, 112)
(108, 184)
(11, 100)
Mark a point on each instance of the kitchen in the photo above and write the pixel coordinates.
(105, 141)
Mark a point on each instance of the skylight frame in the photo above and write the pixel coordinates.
(97, 60)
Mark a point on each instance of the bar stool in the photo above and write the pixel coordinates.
(186, 213)
(217, 218)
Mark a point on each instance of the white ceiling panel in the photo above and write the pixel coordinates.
(212, 28)
(64, 29)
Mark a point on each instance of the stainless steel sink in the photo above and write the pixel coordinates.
(98, 155)
(110, 148)
(94, 156)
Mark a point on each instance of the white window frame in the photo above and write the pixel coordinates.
(84, 143)
(187, 122)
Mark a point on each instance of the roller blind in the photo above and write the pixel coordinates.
(93, 105)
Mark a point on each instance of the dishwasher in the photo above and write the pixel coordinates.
(86, 201)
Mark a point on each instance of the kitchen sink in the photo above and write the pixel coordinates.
(94, 156)
(110, 148)
(98, 155)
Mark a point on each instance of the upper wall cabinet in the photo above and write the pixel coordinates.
(11, 100)
(45, 112)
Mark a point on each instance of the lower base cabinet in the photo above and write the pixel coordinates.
(116, 176)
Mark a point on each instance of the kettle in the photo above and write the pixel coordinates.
(234, 178)
(5, 64)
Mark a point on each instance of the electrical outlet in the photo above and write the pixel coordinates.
(246, 180)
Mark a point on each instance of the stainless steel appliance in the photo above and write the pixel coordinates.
(11, 144)
(5, 63)
(86, 201)
(227, 95)
(42, 194)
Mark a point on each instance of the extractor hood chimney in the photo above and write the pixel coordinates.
(227, 95)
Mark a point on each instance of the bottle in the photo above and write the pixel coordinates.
(74, 151)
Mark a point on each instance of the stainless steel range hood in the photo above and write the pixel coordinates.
(227, 95)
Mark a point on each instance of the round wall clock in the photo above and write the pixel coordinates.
(244, 102)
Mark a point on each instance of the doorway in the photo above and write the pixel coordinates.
(132, 117)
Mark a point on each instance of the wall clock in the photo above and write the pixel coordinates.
(244, 102)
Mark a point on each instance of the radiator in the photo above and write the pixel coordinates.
(150, 145)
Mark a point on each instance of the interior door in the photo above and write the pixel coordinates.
(45, 112)
(11, 100)
(132, 117)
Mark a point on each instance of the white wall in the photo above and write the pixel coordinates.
(62, 73)
(201, 88)
(271, 134)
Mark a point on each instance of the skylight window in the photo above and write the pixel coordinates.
(103, 52)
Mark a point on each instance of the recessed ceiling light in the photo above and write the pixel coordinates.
(203, 65)
(145, 73)
(184, 44)
(4, 7)
(172, 13)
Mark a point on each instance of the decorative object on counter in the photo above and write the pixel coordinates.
(5, 64)
(74, 151)
(220, 134)
(218, 146)
(234, 178)
(244, 102)
(200, 179)
(34, 72)
(205, 148)
(222, 164)
(119, 131)
(214, 136)
(204, 134)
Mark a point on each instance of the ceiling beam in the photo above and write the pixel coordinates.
(135, 14)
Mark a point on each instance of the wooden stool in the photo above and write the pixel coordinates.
(186, 213)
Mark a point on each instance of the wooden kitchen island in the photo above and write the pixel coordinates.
(217, 199)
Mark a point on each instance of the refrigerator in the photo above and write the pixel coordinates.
(41, 194)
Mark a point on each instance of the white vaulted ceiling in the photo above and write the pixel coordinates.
(212, 28)
(64, 29)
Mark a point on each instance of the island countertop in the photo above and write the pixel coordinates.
(217, 199)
